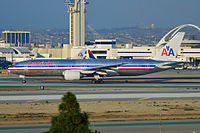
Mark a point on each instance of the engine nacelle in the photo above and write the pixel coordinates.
(72, 75)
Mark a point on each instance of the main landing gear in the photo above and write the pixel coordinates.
(97, 80)
(100, 81)
(23, 81)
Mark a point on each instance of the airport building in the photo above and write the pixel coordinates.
(14, 54)
(17, 38)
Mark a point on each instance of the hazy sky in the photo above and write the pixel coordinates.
(37, 14)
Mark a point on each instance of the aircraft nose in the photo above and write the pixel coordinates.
(11, 69)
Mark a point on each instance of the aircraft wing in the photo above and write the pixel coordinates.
(105, 70)
(106, 67)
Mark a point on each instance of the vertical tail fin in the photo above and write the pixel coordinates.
(91, 55)
(169, 52)
(80, 55)
(34, 53)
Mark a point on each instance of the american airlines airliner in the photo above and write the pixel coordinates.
(75, 69)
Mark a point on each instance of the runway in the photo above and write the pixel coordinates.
(184, 79)
(188, 81)
(105, 95)
(172, 126)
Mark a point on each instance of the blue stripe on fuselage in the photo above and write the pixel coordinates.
(85, 66)
(89, 62)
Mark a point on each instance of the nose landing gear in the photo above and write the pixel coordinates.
(23, 79)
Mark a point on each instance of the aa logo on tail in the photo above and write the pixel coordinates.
(167, 51)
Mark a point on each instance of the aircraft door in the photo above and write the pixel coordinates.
(148, 66)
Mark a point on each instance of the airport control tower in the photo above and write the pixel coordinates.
(76, 10)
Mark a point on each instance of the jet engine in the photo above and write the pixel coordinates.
(71, 75)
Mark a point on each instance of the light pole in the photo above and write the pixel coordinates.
(160, 121)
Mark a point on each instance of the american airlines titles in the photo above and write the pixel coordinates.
(41, 63)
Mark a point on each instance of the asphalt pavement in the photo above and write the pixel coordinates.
(166, 126)
(104, 95)
(184, 79)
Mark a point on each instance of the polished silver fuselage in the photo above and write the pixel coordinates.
(56, 67)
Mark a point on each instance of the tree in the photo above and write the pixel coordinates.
(70, 119)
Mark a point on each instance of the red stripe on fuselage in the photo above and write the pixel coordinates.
(35, 69)
(32, 69)
(135, 68)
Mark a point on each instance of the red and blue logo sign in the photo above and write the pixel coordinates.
(167, 51)
(80, 54)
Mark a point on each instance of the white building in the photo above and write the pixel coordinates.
(15, 54)
(17, 38)
(76, 10)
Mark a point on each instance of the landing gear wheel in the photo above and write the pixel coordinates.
(24, 81)
(41, 87)
(97, 81)
(93, 81)
(101, 81)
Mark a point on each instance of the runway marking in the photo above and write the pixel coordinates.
(145, 98)
(36, 100)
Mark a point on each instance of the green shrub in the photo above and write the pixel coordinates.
(70, 119)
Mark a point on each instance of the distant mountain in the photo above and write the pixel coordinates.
(127, 35)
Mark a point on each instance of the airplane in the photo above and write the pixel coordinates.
(82, 53)
(91, 56)
(5, 64)
(76, 69)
